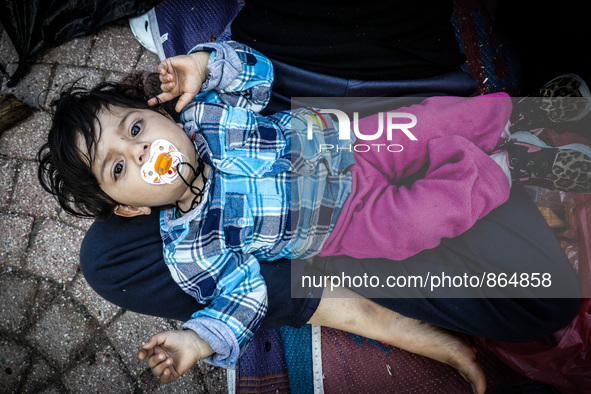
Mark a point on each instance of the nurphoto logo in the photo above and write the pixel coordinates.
(393, 123)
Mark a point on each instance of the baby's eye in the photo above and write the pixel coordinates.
(118, 169)
(135, 129)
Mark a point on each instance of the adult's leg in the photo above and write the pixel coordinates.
(122, 260)
(513, 238)
(364, 317)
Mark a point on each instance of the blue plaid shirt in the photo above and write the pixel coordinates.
(262, 178)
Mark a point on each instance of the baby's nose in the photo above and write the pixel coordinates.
(144, 152)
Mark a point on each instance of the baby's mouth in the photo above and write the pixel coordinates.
(163, 163)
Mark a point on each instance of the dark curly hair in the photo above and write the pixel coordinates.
(65, 169)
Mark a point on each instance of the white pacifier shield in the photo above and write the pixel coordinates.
(163, 163)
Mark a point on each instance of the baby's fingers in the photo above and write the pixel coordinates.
(183, 101)
(157, 339)
(163, 68)
(142, 354)
(165, 77)
(164, 370)
(161, 98)
(158, 358)
(168, 375)
(169, 87)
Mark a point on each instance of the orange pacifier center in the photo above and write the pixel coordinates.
(163, 163)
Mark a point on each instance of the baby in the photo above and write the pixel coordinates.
(230, 178)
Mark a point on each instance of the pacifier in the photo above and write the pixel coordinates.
(163, 165)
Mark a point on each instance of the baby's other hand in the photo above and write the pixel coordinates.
(172, 353)
(181, 76)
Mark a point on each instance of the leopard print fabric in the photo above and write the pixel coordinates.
(571, 172)
(562, 99)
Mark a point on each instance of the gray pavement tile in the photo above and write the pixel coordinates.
(7, 52)
(115, 48)
(16, 296)
(213, 379)
(24, 140)
(10, 68)
(32, 88)
(66, 75)
(15, 239)
(148, 61)
(202, 378)
(8, 168)
(46, 293)
(115, 76)
(54, 251)
(38, 376)
(129, 332)
(103, 310)
(102, 372)
(61, 331)
(74, 52)
(81, 223)
(13, 365)
(49, 390)
(29, 197)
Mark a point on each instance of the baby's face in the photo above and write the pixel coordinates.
(124, 146)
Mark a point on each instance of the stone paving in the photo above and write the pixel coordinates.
(56, 334)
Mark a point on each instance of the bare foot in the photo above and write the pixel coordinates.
(439, 344)
(364, 317)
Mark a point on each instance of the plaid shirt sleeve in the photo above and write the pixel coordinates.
(238, 76)
(235, 293)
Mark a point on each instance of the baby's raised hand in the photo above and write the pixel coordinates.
(181, 76)
(172, 353)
